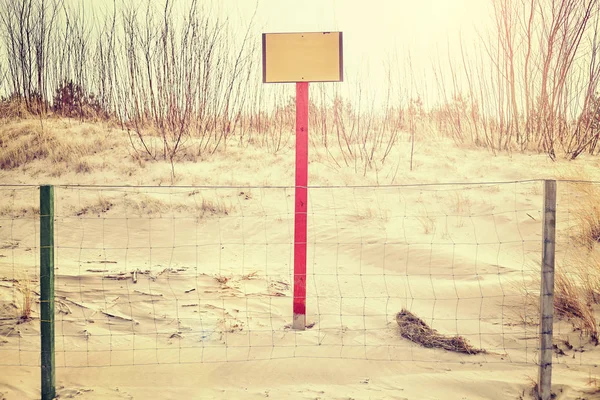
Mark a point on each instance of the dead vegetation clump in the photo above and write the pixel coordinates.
(587, 270)
(214, 208)
(100, 206)
(590, 224)
(22, 143)
(146, 205)
(416, 330)
(577, 277)
(12, 107)
(222, 279)
(26, 300)
(587, 214)
(19, 309)
(576, 291)
(142, 204)
(73, 101)
(7, 210)
(572, 302)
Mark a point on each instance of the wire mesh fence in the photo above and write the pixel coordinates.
(436, 273)
(160, 275)
(19, 276)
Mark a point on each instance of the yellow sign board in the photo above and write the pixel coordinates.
(302, 57)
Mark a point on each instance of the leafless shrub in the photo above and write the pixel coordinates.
(70, 100)
(192, 80)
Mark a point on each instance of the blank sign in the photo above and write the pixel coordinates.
(302, 57)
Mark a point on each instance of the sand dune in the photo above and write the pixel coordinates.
(186, 292)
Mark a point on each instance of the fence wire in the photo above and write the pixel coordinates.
(162, 275)
(19, 276)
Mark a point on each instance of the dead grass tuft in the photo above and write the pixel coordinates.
(372, 214)
(576, 290)
(590, 225)
(20, 309)
(82, 167)
(23, 143)
(587, 214)
(143, 204)
(250, 276)
(222, 279)
(146, 205)
(416, 330)
(26, 300)
(427, 223)
(570, 303)
(577, 278)
(18, 211)
(214, 207)
(13, 107)
(100, 206)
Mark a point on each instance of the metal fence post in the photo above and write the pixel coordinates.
(547, 291)
(47, 291)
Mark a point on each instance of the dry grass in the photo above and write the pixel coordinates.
(18, 212)
(100, 206)
(27, 141)
(586, 211)
(576, 290)
(534, 391)
(23, 143)
(462, 204)
(209, 207)
(222, 279)
(12, 108)
(372, 214)
(462, 208)
(571, 302)
(83, 167)
(146, 205)
(427, 223)
(20, 308)
(590, 224)
(25, 306)
(143, 204)
(585, 266)
(367, 214)
(416, 330)
(577, 275)
(577, 279)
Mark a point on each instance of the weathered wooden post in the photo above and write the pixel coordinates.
(547, 291)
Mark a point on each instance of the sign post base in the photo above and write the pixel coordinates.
(299, 323)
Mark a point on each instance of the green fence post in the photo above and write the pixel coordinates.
(47, 290)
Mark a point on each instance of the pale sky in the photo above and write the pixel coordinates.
(375, 31)
(366, 24)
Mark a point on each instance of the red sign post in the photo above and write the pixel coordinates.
(301, 58)
(301, 206)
